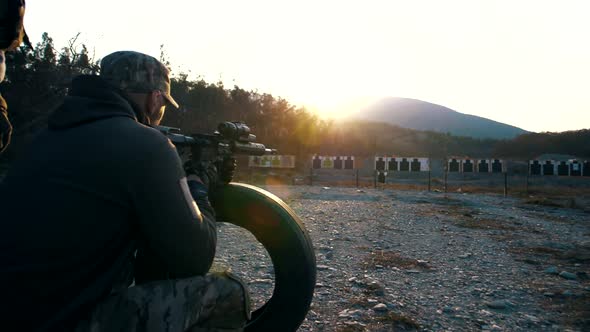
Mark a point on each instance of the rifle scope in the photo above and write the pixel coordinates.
(237, 131)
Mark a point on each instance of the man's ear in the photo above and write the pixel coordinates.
(153, 98)
(151, 102)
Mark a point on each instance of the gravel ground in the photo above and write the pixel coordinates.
(409, 260)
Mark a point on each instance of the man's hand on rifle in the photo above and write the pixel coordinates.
(207, 176)
(227, 169)
(213, 174)
(205, 173)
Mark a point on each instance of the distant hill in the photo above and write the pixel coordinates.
(421, 115)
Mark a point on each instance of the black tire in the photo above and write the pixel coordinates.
(282, 233)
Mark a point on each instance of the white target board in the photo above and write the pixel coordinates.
(272, 161)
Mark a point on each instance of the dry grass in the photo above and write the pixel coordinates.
(349, 328)
(389, 186)
(577, 308)
(471, 189)
(398, 321)
(547, 255)
(393, 259)
(389, 321)
(554, 191)
(359, 301)
(544, 201)
(578, 253)
(558, 197)
(581, 254)
(574, 306)
(535, 251)
(506, 236)
(467, 218)
(483, 223)
(341, 183)
(462, 216)
(404, 186)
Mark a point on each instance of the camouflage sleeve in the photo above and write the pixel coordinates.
(5, 126)
(171, 224)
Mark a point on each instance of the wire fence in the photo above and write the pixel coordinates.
(505, 183)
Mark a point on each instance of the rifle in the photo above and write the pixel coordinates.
(230, 139)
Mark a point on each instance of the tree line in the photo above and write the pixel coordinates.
(528, 146)
(38, 81)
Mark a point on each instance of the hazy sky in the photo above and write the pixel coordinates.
(525, 63)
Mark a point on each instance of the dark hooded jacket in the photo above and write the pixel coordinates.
(74, 208)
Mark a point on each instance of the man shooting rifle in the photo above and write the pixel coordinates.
(101, 199)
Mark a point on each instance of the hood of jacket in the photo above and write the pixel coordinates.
(91, 99)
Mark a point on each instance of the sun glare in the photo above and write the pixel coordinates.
(338, 110)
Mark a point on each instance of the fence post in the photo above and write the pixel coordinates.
(375, 178)
(526, 184)
(311, 176)
(357, 177)
(428, 180)
(505, 184)
(446, 175)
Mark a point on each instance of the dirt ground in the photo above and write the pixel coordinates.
(404, 260)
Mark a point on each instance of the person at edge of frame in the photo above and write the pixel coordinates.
(12, 34)
(101, 228)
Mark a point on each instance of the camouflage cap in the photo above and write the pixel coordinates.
(136, 72)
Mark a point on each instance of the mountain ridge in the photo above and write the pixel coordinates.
(422, 115)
